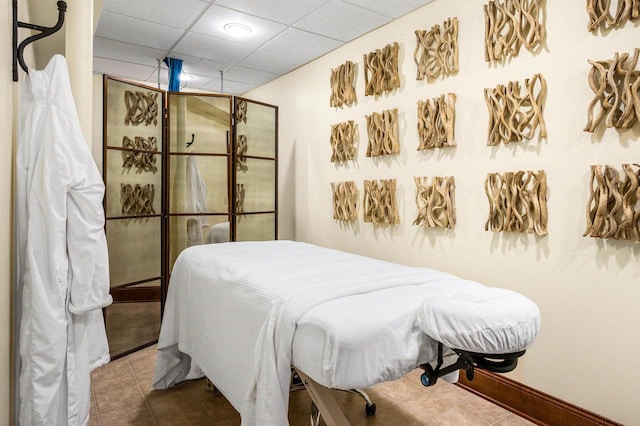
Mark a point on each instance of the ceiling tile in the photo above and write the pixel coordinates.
(121, 69)
(229, 87)
(111, 49)
(163, 12)
(392, 9)
(301, 43)
(212, 23)
(249, 76)
(197, 81)
(136, 31)
(284, 11)
(202, 67)
(341, 21)
(222, 51)
(272, 61)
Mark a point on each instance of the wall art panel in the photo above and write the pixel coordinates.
(615, 84)
(517, 202)
(613, 209)
(436, 51)
(600, 16)
(511, 24)
(382, 129)
(345, 200)
(343, 85)
(436, 122)
(515, 114)
(137, 199)
(140, 153)
(380, 201)
(435, 200)
(343, 141)
(381, 70)
(142, 107)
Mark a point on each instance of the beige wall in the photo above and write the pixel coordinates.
(588, 290)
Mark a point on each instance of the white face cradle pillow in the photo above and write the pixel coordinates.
(483, 320)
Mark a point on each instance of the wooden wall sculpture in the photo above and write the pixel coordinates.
(239, 201)
(343, 141)
(345, 199)
(343, 85)
(436, 122)
(613, 210)
(600, 16)
(517, 202)
(144, 156)
(241, 110)
(142, 107)
(137, 199)
(436, 51)
(382, 129)
(514, 116)
(436, 202)
(615, 84)
(510, 24)
(241, 152)
(380, 201)
(381, 70)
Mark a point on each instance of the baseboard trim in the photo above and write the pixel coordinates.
(535, 406)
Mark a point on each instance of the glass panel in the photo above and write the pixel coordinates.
(130, 325)
(259, 127)
(187, 231)
(132, 111)
(259, 185)
(133, 190)
(256, 227)
(134, 249)
(205, 119)
(198, 184)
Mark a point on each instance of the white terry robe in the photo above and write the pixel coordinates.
(62, 259)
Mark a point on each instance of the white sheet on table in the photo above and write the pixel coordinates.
(255, 293)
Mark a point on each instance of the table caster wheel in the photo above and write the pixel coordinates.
(370, 410)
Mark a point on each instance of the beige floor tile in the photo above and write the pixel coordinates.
(135, 414)
(398, 391)
(484, 409)
(457, 417)
(427, 406)
(514, 420)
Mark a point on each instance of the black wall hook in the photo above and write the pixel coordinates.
(193, 139)
(18, 49)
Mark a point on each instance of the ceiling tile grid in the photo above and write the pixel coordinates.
(284, 34)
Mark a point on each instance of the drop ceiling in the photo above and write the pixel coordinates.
(132, 35)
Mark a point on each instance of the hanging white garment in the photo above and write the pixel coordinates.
(196, 203)
(62, 260)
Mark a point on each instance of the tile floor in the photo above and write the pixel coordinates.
(122, 395)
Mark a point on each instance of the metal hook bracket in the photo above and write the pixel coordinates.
(18, 49)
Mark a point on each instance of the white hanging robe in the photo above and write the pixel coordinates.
(62, 259)
(196, 203)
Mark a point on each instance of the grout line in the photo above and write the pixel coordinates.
(95, 405)
(144, 398)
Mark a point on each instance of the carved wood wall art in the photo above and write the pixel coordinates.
(137, 199)
(510, 24)
(436, 202)
(615, 84)
(241, 111)
(600, 16)
(142, 107)
(517, 202)
(239, 202)
(241, 152)
(343, 141)
(345, 199)
(380, 201)
(514, 116)
(381, 70)
(436, 51)
(613, 209)
(144, 156)
(436, 122)
(343, 85)
(382, 129)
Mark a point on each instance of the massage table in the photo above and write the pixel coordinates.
(246, 312)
